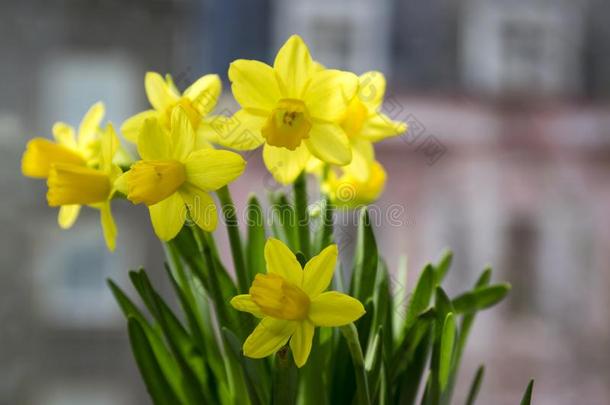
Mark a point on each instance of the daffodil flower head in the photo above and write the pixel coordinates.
(291, 301)
(71, 186)
(292, 108)
(347, 191)
(365, 124)
(197, 102)
(174, 178)
(81, 150)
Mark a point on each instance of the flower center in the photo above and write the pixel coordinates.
(288, 124)
(278, 298)
(354, 118)
(152, 181)
(71, 184)
(41, 154)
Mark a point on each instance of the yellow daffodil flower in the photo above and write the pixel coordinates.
(293, 108)
(41, 153)
(291, 302)
(73, 185)
(174, 178)
(347, 191)
(197, 101)
(82, 150)
(365, 124)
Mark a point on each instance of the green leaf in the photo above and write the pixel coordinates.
(442, 267)
(476, 385)
(256, 238)
(237, 251)
(285, 379)
(446, 350)
(284, 221)
(353, 343)
(325, 232)
(187, 354)
(253, 372)
(484, 278)
(443, 305)
(480, 298)
(421, 296)
(300, 205)
(127, 306)
(164, 358)
(154, 379)
(399, 295)
(527, 396)
(367, 257)
(373, 363)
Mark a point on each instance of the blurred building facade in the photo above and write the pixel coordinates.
(505, 162)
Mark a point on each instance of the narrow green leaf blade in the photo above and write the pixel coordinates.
(443, 265)
(255, 246)
(475, 386)
(446, 351)
(527, 396)
(367, 257)
(480, 298)
(156, 384)
(421, 296)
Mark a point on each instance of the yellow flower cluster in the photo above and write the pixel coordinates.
(304, 115)
(291, 301)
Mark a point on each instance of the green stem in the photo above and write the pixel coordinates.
(284, 378)
(300, 199)
(353, 343)
(216, 291)
(230, 215)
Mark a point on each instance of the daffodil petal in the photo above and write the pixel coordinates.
(329, 93)
(329, 143)
(109, 146)
(204, 93)
(294, 66)
(182, 134)
(64, 135)
(108, 226)
(244, 303)
(379, 127)
(87, 131)
(333, 308)
(254, 85)
(268, 337)
(319, 271)
(168, 216)
(133, 125)
(281, 261)
(285, 165)
(160, 95)
(201, 207)
(154, 141)
(211, 169)
(300, 342)
(205, 135)
(67, 215)
(242, 131)
(120, 183)
(363, 155)
(371, 89)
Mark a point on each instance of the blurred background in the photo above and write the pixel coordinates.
(506, 162)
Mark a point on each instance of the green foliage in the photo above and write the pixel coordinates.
(195, 356)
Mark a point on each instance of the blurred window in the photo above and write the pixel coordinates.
(523, 49)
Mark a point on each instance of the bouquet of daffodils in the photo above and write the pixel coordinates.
(283, 327)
